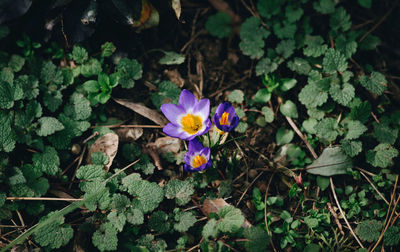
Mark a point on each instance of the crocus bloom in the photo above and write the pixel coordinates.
(225, 118)
(198, 157)
(189, 118)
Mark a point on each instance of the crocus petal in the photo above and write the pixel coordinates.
(188, 168)
(188, 157)
(221, 108)
(205, 129)
(187, 100)
(195, 146)
(173, 112)
(231, 111)
(209, 163)
(205, 152)
(234, 122)
(172, 130)
(202, 108)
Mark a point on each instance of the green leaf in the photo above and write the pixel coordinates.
(118, 220)
(107, 49)
(312, 96)
(268, 114)
(258, 239)
(79, 54)
(148, 195)
(354, 129)
(285, 48)
(340, 20)
(242, 127)
(181, 190)
(265, 66)
(366, 4)
(153, 245)
(324, 6)
(371, 42)
(382, 155)
(7, 135)
(97, 195)
(236, 96)
(129, 71)
(284, 136)
(134, 216)
(361, 111)
(289, 109)
(184, 220)
(3, 197)
(327, 129)
(323, 182)
(285, 29)
(342, 95)
(314, 46)
(78, 107)
(375, 83)
(231, 219)
(384, 133)
(346, 46)
(52, 101)
(7, 95)
(91, 68)
(54, 235)
(4, 31)
(270, 8)
(145, 165)
(293, 14)
(311, 222)
(312, 247)
(299, 65)
(334, 61)
(29, 85)
(51, 74)
(209, 229)
(48, 161)
(309, 125)
(352, 148)
(90, 172)
(16, 62)
(105, 238)
(218, 25)
(49, 125)
(168, 92)
(287, 84)
(392, 236)
(172, 58)
(159, 222)
(332, 161)
(262, 96)
(252, 36)
(369, 230)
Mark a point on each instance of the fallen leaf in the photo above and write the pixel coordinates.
(176, 6)
(175, 77)
(142, 110)
(213, 206)
(129, 134)
(108, 144)
(167, 144)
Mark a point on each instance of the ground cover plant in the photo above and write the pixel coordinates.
(199, 125)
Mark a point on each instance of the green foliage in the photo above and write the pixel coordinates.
(284, 136)
(392, 236)
(289, 109)
(47, 161)
(218, 25)
(382, 155)
(129, 70)
(184, 220)
(375, 83)
(79, 54)
(172, 58)
(105, 238)
(230, 220)
(327, 129)
(257, 239)
(180, 190)
(236, 96)
(252, 36)
(334, 62)
(331, 162)
(265, 66)
(49, 125)
(159, 222)
(369, 230)
(168, 92)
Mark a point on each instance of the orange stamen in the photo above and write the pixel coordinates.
(198, 161)
(224, 119)
(191, 123)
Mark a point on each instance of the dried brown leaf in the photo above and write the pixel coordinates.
(108, 144)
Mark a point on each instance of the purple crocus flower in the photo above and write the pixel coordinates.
(198, 157)
(225, 118)
(189, 118)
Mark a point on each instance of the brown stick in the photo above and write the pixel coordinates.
(43, 198)
(298, 132)
(245, 191)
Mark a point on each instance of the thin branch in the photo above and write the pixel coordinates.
(298, 132)
(245, 191)
(42, 198)
(344, 216)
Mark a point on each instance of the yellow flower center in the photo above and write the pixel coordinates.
(224, 119)
(198, 161)
(191, 123)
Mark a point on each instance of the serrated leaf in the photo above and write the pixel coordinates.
(51, 74)
(107, 49)
(48, 161)
(285, 29)
(181, 190)
(361, 111)
(334, 61)
(265, 66)
(231, 219)
(370, 43)
(159, 222)
(209, 229)
(252, 36)
(327, 129)
(236, 96)
(78, 107)
(79, 54)
(134, 216)
(258, 239)
(7, 135)
(299, 65)
(218, 25)
(172, 58)
(289, 109)
(312, 96)
(382, 155)
(270, 8)
(90, 172)
(16, 62)
(185, 220)
(55, 234)
(392, 236)
(119, 202)
(129, 71)
(354, 129)
(369, 230)
(29, 84)
(332, 161)
(384, 133)
(118, 220)
(97, 195)
(242, 127)
(49, 125)
(342, 95)
(105, 238)
(352, 148)
(168, 92)
(346, 46)
(285, 48)
(375, 83)
(314, 46)
(309, 125)
(53, 100)
(145, 165)
(153, 245)
(91, 68)
(340, 20)
(324, 6)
